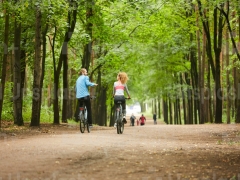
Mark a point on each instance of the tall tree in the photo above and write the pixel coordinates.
(17, 80)
(226, 15)
(218, 34)
(201, 73)
(87, 54)
(72, 18)
(36, 100)
(4, 62)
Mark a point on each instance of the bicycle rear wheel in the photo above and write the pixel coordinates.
(121, 124)
(82, 124)
(117, 116)
(88, 128)
(121, 127)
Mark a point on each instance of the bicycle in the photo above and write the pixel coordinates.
(83, 118)
(119, 117)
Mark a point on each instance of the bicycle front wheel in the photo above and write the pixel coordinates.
(82, 124)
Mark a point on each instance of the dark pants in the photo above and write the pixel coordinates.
(87, 102)
(132, 121)
(122, 99)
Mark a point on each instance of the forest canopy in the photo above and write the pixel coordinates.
(181, 56)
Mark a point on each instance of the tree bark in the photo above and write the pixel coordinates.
(184, 101)
(206, 28)
(17, 90)
(165, 111)
(72, 17)
(170, 111)
(87, 54)
(36, 100)
(228, 103)
(4, 63)
(201, 74)
(218, 29)
(159, 108)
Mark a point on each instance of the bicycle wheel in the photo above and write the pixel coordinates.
(121, 125)
(117, 120)
(82, 124)
(88, 128)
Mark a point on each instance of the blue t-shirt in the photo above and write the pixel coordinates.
(82, 85)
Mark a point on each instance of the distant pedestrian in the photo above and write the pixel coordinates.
(137, 122)
(142, 120)
(154, 118)
(132, 119)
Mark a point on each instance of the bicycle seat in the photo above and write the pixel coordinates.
(119, 102)
(81, 108)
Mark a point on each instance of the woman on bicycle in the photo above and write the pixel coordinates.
(82, 93)
(118, 92)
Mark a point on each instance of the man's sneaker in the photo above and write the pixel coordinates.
(124, 120)
(115, 125)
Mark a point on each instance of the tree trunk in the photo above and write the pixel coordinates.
(36, 100)
(17, 91)
(237, 120)
(65, 90)
(218, 25)
(72, 17)
(87, 54)
(207, 31)
(159, 108)
(204, 102)
(4, 63)
(170, 111)
(183, 100)
(228, 103)
(209, 96)
(201, 62)
(165, 111)
(179, 111)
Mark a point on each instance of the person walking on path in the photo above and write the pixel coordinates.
(132, 119)
(142, 120)
(154, 118)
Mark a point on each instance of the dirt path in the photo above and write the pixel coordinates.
(150, 152)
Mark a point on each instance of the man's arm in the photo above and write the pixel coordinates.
(88, 83)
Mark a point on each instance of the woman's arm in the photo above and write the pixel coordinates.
(126, 89)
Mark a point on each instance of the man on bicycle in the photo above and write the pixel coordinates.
(82, 93)
(118, 92)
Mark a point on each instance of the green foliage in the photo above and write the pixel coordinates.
(7, 113)
(147, 39)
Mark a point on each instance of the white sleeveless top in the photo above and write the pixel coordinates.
(118, 89)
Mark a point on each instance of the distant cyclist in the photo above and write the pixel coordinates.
(82, 93)
(118, 92)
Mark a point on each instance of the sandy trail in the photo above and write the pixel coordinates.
(141, 152)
